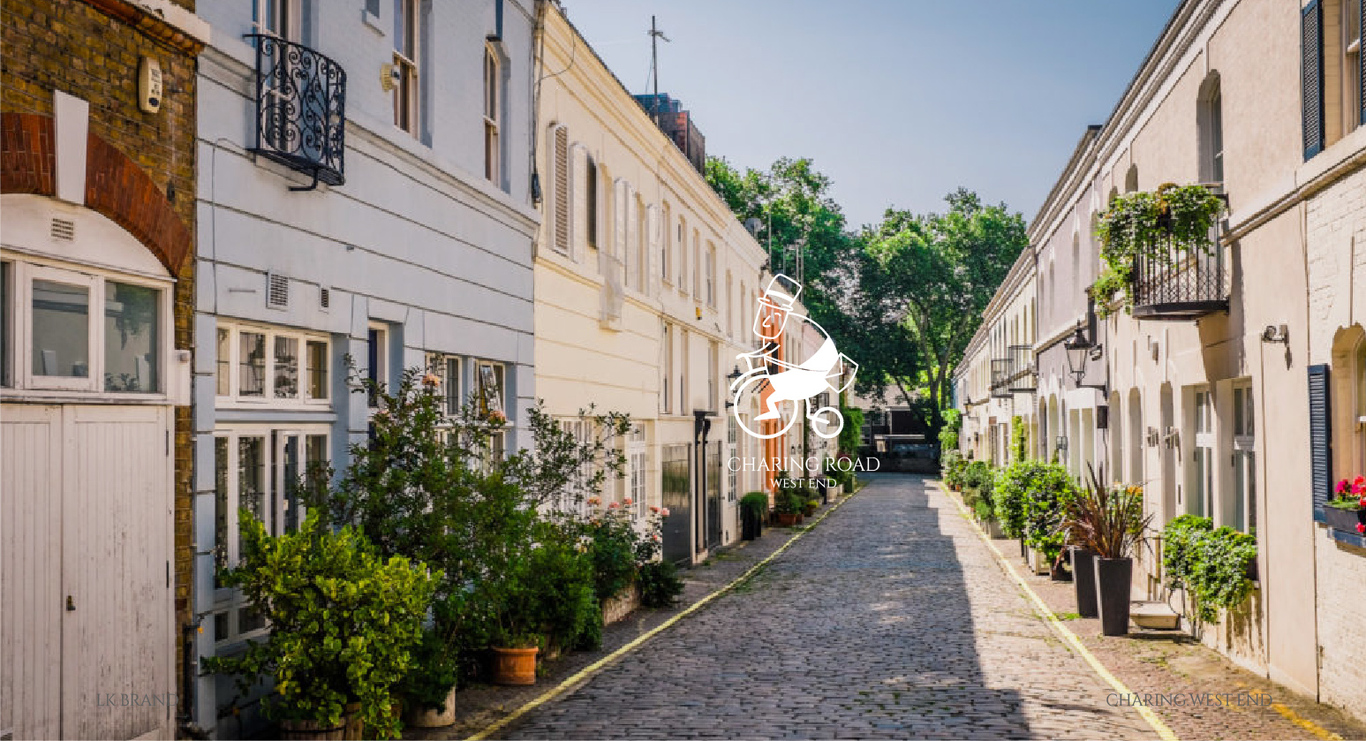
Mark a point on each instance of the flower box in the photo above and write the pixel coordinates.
(1345, 520)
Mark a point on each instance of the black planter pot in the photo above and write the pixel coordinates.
(1113, 577)
(1343, 519)
(751, 524)
(1024, 551)
(1084, 579)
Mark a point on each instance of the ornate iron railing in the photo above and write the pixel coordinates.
(1181, 282)
(1000, 373)
(1023, 378)
(300, 109)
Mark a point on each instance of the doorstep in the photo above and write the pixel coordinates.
(1153, 615)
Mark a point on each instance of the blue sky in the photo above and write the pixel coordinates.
(899, 101)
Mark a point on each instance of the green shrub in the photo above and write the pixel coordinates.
(344, 622)
(787, 501)
(948, 434)
(660, 584)
(1209, 563)
(851, 435)
(1029, 497)
(756, 503)
(1019, 438)
(952, 467)
(614, 554)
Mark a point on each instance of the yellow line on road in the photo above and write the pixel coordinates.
(593, 668)
(1163, 731)
(1305, 723)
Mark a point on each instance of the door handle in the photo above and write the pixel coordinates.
(70, 604)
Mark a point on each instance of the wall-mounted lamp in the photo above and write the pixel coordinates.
(1274, 333)
(1079, 350)
(1061, 443)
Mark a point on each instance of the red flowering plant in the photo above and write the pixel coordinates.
(1350, 494)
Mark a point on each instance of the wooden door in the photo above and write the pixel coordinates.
(88, 520)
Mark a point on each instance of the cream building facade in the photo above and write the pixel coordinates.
(646, 290)
(1236, 389)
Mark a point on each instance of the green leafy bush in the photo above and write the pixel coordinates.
(851, 435)
(948, 434)
(660, 584)
(1029, 497)
(952, 467)
(756, 503)
(344, 622)
(1019, 438)
(1107, 521)
(786, 501)
(1210, 563)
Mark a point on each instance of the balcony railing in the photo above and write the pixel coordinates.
(1000, 372)
(1183, 282)
(300, 109)
(1023, 378)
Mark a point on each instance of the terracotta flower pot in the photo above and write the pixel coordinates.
(514, 666)
(787, 519)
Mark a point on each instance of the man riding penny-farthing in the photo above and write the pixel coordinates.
(785, 387)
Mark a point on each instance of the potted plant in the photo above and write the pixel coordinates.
(1167, 225)
(1111, 524)
(787, 507)
(753, 510)
(333, 605)
(1347, 510)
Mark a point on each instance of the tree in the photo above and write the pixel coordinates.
(937, 273)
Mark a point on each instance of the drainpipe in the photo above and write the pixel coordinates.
(185, 725)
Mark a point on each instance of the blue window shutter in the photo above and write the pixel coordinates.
(1311, 77)
(1320, 439)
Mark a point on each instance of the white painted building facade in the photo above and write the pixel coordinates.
(410, 248)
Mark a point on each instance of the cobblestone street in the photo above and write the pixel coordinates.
(889, 619)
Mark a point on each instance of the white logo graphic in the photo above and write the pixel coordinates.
(783, 387)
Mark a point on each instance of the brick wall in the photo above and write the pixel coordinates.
(74, 47)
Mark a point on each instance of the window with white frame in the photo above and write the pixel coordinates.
(683, 372)
(581, 429)
(489, 378)
(1353, 110)
(713, 363)
(1201, 499)
(407, 36)
(1244, 504)
(1358, 406)
(279, 18)
(711, 275)
(666, 383)
(638, 462)
(446, 368)
(263, 471)
(377, 361)
(56, 338)
(682, 247)
(257, 363)
(493, 96)
(731, 471)
(665, 247)
(696, 264)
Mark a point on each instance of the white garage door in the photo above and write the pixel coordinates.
(86, 606)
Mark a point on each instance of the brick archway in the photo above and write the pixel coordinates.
(114, 184)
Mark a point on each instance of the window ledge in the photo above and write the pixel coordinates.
(372, 20)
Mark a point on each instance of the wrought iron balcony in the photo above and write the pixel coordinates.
(1023, 377)
(300, 109)
(1000, 372)
(1183, 282)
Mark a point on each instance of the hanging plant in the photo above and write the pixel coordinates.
(1157, 226)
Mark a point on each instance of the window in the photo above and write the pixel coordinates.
(1354, 108)
(666, 247)
(377, 369)
(1210, 122)
(713, 362)
(711, 275)
(668, 366)
(276, 18)
(591, 189)
(264, 470)
(447, 369)
(683, 373)
(696, 264)
(1244, 516)
(1201, 500)
(258, 363)
(406, 36)
(638, 462)
(493, 97)
(730, 307)
(53, 338)
(732, 485)
(489, 388)
(682, 257)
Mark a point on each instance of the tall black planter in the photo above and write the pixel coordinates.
(1113, 576)
(1084, 579)
(751, 524)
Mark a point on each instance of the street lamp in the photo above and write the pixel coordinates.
(1078, 348)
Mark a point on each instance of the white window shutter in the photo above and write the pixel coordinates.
(652, 269)
(559, 192)
(632, 239)
(619, 218)
(578, 171)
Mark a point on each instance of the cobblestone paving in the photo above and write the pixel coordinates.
(890, 619)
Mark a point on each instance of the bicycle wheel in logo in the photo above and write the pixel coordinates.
(752, 387)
